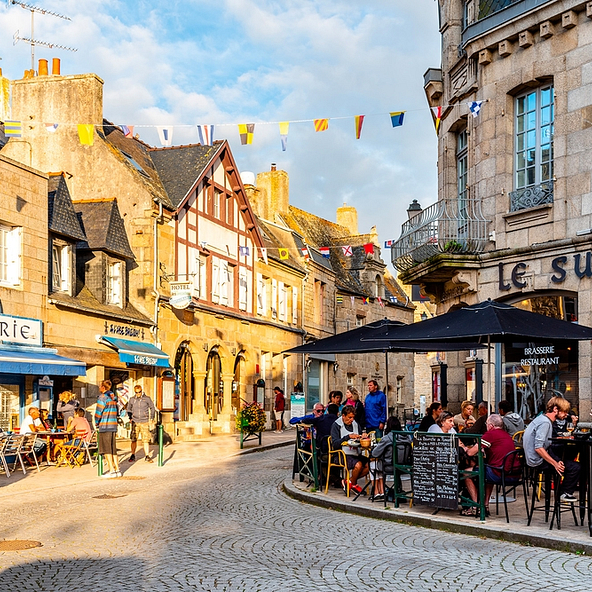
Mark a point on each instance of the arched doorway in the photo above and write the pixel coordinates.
(214, 387)
(184, 370)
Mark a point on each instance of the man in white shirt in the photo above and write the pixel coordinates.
(31, 423)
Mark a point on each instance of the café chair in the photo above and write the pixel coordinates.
(517, 437)
(71, 454)
(91, 447)
(512, 476)
(337, 459)
(26, 451)
(402, 465)
(4, 444)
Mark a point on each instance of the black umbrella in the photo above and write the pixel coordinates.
(486, 322)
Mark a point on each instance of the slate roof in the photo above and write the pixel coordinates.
(275, 237)
(180, 166)
(103, 226)
(135, 154)
(62, 217)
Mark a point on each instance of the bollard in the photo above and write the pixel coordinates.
(160, 446)
(100, 464)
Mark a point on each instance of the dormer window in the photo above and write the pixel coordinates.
(115, 283)
(61, 267)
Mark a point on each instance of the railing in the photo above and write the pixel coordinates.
(530, 197)
(488, 7)
(448, 226)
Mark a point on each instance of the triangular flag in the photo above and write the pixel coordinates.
(246, 131)
(305, 253)
(325, 252)
(203, 245)
(86, 133)
(284, 127)
(347, 250)
(263, 254)
(353, 300)
(380, 301)
(475, 107)
(321, 125)
(359, 122)
(51, 127)
(165, 134)
(365, 300)
(13, 129)
(397, 118)
(283, 253)
(438, 115)
(368, 248)
(128, 131)
(206, 134)
(243, 251)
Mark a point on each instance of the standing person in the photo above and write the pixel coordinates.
(431, 416)
(353, 399)
(67, 404)
(538, 451)
(375, 404)
(142, 413)
(512, 421)
(278, 409)
(336, 397)
(106, 422)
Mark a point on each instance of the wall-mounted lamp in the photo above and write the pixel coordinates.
(424, 316)
(307, 365)
(335, 367)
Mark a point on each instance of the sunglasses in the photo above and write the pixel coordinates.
(319, 410)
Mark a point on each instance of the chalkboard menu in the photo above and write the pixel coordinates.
(435, 470)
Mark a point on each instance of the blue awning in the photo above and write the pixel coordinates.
(40, 362)
(136, 352)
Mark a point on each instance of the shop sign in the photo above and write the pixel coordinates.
(539, 356)
(45, 381)
(145, 360)
(123, 330)
(20, 330)
(181, 294)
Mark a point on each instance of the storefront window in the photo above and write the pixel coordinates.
(313, 384)
(534, 372)
(9, 406)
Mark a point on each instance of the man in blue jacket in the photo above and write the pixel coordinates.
(375, 405)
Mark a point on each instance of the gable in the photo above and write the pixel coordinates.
(62, 218)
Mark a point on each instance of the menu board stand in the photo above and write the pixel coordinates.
(435, 470)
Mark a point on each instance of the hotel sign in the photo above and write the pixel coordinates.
(20, 330)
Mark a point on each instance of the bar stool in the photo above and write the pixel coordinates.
(551, 481)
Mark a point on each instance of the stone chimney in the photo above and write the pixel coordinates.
(348, 216)
(272, 196)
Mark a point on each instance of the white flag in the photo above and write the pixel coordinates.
(165, 134)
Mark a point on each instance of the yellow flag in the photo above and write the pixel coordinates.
(86, 133)
(283, 253)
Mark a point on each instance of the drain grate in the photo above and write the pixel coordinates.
(18, 545)
(108, 496)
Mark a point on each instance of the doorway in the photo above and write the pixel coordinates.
(214, 388)
(184, 369)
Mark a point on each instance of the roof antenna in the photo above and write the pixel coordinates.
(31, 40)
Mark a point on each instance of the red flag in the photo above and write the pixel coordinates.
(369, 249)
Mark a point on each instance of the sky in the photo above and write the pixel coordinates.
(225, 62)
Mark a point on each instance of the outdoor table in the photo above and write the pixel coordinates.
(50, 438)
(368, 453)
(584, 447)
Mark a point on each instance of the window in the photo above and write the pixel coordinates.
(115, 283)
(61, 267)
(294, 305)
(534, 137)
(243, 288)
(203, 277)
(378, 287)
(350, 379)
(360, 321)
(282, 301)
(399, 389)
(319, 302)
(216, 211)
(261, 295)
(274, 298)
(222, 282)
(10, 256)
(462, 159)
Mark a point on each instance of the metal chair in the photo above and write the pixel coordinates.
(337, 459)
(27, 450)
(71, 454)
(512, 475)
(517, 437)
(402, 465)
(90, 446)
(4, 441)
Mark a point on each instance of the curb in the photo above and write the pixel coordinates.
(479, 530)
(264, 447)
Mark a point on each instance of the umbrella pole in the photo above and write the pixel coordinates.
(489, 371)
(387, 375)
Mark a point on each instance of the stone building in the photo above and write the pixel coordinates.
(514, 213)
(340, 292)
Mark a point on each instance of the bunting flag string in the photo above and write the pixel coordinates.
(86, 133)
(243, 251)
(321, 125)
(51, 127)
(438, 116)
(284, 127)
(284, 253)
(206, 134)
(474, 107)
(13, 129)
(347, 250)
(264, 254)
(389, 243)
(246, 131)
(397, 118)
(165, 135)
(359, 123)
(325, 252)
(128, 131)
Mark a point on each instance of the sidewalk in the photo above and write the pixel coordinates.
(570, 538)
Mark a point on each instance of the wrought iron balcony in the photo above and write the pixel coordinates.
(443, 227)
(530, 197)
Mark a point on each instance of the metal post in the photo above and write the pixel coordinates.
(160, 446)
(481, 482)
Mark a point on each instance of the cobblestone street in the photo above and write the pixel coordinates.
(226, 525)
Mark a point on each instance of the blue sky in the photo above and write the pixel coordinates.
(219, 62)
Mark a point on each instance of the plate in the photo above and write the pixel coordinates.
(353, 443)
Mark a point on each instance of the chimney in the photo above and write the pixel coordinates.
(348, 216)
(274, 193)
(55, 66)
(43, 67)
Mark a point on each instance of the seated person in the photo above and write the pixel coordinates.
(512, 421)
(323, 423)
(382, 455)
(559, 429)
(496, 443)
(444, 424)
(467, 409)
(431, 416)
(317, 410)
(344, 429)
(44, 418)
(79, 426)
(31, 424)
(479, 426)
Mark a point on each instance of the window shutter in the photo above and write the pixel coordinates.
(196, 274)
(56, 265)
(66, 269)
(295, 305)
(14, 256)
(215, 280)
(203, 277)
(281, 301)
(274, 298)
(242, 289)
(260, 294)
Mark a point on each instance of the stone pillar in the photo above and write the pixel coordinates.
(225, 418)
(199, 418)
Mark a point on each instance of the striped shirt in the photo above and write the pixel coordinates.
(106, 412)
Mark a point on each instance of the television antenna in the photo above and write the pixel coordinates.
(31, 40)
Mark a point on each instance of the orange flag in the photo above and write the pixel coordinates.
(321, 125)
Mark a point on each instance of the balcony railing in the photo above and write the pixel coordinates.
(530, 197)
(444, 227)
(487, 7)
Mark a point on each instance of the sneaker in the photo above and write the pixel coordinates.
(132, 458)
(379, 497)
(568, 498)
(355, 488)
(108, 475)
(118, 474)
(148, 459)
